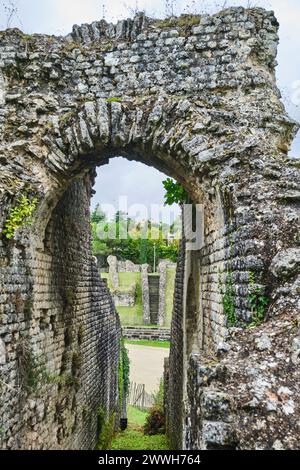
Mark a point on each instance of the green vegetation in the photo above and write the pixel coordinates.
(106, 429)
(124, 371)
(171, 273)
(175, 193)
(27, 37)
(114, 99)
(143, 251)
(33, 372)
(127, 279)
(136, 416)
(184, 21)
(128, 240)
(152, 344)
(76, 362)
(129, 315)
(28, 307)
(32, 369)
(20, 215)
(258, 302)
(155, 421)
(65, 118)
(133, 438)
(133, 316)
(228, 301)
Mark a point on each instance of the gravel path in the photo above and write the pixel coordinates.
(147, 365)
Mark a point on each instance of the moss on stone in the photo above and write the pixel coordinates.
(28, 307)
(64, 119)
(114, 99)
(76, 362)
(106, 425)
(182, 21)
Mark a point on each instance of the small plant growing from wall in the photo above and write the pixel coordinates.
(228, 300)
(258, 302)
(32, 370)
(20, 215)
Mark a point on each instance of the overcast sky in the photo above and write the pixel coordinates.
(140, 183)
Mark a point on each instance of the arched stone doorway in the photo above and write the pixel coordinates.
(196, 100)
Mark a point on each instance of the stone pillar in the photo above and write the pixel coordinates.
(162, 269)
(113, 271)
(145, 294)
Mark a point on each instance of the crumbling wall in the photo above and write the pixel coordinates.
(61, 337)
(174, 387)
(196, 98)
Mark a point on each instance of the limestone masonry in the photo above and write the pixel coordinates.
(196, 98)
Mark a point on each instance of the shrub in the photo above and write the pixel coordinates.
(155, 421)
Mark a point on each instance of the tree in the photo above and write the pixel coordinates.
(135, 247)
(120, 215)
(98, 215)
(143, 259)
(175, 193)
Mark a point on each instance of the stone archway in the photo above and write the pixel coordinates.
(196, 98)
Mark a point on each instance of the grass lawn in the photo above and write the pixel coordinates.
(129, 316)
(133, 316)
(153, 344)
(136, 416)
(133, 438)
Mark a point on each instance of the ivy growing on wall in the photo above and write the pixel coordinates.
(20, 215)
(106, 429)
(124, 370)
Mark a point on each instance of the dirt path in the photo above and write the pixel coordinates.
(147, 365)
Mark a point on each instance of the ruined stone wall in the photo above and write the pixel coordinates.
(151, 334)
(61, 336)
(128, 267)
(196, 98)
(145, 294)
(174, 387)
(243, 387)
(162, 270)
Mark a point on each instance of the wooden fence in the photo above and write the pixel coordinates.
(138, 396)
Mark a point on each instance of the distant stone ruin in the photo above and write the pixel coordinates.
(153, 288)
(196, 98)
